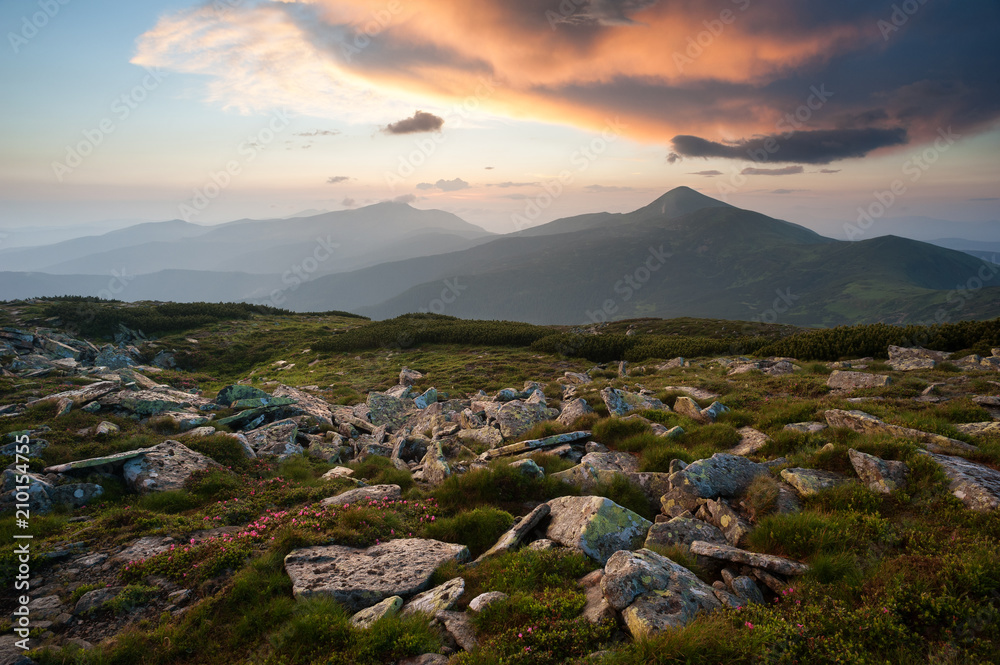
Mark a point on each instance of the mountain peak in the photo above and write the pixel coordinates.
(680, 201)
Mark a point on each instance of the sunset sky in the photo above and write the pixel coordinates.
(258, 108)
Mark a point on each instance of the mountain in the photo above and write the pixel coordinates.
(318, 244)
(669, 259)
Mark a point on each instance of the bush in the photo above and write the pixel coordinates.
(625, 493)
(613, 431)
(502, 486)
(378, 470)
(478, 529)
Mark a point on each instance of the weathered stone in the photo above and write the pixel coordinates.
(720, 475)
(811, 481)
(484, 600)
(751, 441)
(697, 393)
(534, 444)
(80, 396)
(899, 355)
(308, 404)
(620, 402)
(385, 608)
(407, 376)
(680, 497)
(76, 494)
(882, 476)
(105, 429)
(910, 364)
(859, 421)
(712, 412)
(143, 548)
(277, 439)
(681, 532)
(93, 600)
(360, 578)
(435, 600)
(576, 378)
(328, 450)
(810, 427)
(596, 468)
(595, 525)
(486, 436)
(436, 467)
(529, 468)
(977, 486)
(841, 380)
(364, 495)
(165, 466)
(747, 590)
(733, 526)
(597, 608)
(517, 417)
(513, 537)
(979, 429)
(429, 397)
(389, 411)
(571, 411)
(145, 403)
(235, 392)
(457, 625)
(687, 407)
(774, 564)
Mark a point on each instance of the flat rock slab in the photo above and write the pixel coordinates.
(360, 578)
(774, 564)
(866, 423)
(879, 475)
(534, 444)
(751, 441)
(596, 526)
(720, 475)
(811, 481)
(977, 486)
(621, 402)
(368, 494)
(438, 599)
(597, 468)
(165, 466)
(841, 380)
(979, 429)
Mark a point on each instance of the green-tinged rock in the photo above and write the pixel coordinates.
(390, 411)
(436, 467)
(721, 475)
(811, 481)
(534, 444)
(681, 532)
(596, 468)
(879, 475)
(435, 600)
(621, 402)
(774, 564)
(258, 402)
(596, 526)
(233, 393)
(517, 417)
(386, 608)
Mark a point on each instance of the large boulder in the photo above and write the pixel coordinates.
(808, 482)
(309, 405)
(882, 476)
(596, 526)
(360, 578)
(573, 410)
(720, 475)
(534, 444)
(236, 392)
(977, 486)
(681, 532)
(165, 466)
(865, 423)
(277, 439)
(389, 411)
(846, 380)
(517, 417)
(653, 592)
(904, 359)
(436, 467)
(621, 402)
(596, 468)
(440, 598)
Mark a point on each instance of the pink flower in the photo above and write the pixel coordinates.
(749, 625)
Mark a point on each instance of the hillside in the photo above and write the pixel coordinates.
(241, 484)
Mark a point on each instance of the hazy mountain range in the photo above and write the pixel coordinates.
(684, 254)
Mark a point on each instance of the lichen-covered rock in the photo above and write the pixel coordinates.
(534, 444)
(596, 468)
(385, 608)
(277, 439)
(653, 592)
(517, 417)
(882, 476)
(573, 410)
(734, 527)
(596, 526)
(859, 421)
(774, 564)
(530, 468)
(435, 600)
(979, 429)
(720, 475)
(484, 600)
(686, 406)
(977, 486)
(620, 402)
(458, 625)
(236, 392)
(846, 380)
(811, 481)
(485, 436)
(407, 376)
(751, 441)
(166, 466)
(681, 532)
(809, 427)
(747, 590)
(429, 397)
(307, 404)
(363, 495)
(389, 411)
(76, 494)
(679, 497)
(436, 467)
(360, 578)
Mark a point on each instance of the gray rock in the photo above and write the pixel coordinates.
(435, 600)
(751, 441)
(457, 625)
(596, 526)
(513, 536)
(372, 493)
(517, 417)
(597, 608)
(93, 600)
(484, 600)
(596, 468)
(747, 590)
(774, 564)
(811, 481)
(277, 439)
(529, 468)
(385, 608)
(436, 467)
(429, 397)
(620, 402)
(721, 475)
(734, 527)
(360, 578)
(166, 466)
(307, 404)
(407, 376)
(534, 444)
(485, 436)
(810, 427)
(389, 411)
(573, 410)
(878, 475)
(865, 423)
(76, 494)
(845, 380)
(975, 485)
(681, 532)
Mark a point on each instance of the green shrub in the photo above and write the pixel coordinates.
(502, 486)
(625, 493)
(225, 450)
(378, 470)
(171, 502)
(478, 529)
(612, 431)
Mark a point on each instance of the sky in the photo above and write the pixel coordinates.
(507, 113)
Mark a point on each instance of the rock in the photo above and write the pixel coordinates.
(389, 411)
(385, 608)
(859, 421)
(774, 564)
(407, 376)
(910, 364)
(905, 359)
(425, 659)
(486, 436)
(747, 590)
(686, 406)
(360, 578)
(733, 526)
(751, 441)
(93, 600)
(460, 628)
(338, 472)
(429, 397)
(364, 495)
(879, 475)
(517, 417)
(653, 592)
(712, 412)
(145, 403)
(979, 429)
(811, 481)
(597, 608)
(721, 475)
(595, 525)
(529, 468)
(165, 466)
(596, 468)
(681, 532)
(513, 537)
(841, 380)
(534, 444)
(436, 467)
(143, 548)
(75, 494)
(277, 439)
(683, 498)
(576, 378)
(697, 393)
(236, 392)
(810, 427)
(977, 486)
(327, 450)
(484, 600)
(105, 429)
(573, 410)
(80, 396)
(620, 402)
(307, 404)
(435, 600)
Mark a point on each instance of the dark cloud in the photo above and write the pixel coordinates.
(405, 198)
(709, 174)
(673, 158)
(603, 189)
(490, 168)
(820, 146)
(318, 132)
(829, 170)
(348, 202)
(420, 122)
(333, 180)
(785, 170)
(596, 12)
(513, 184)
